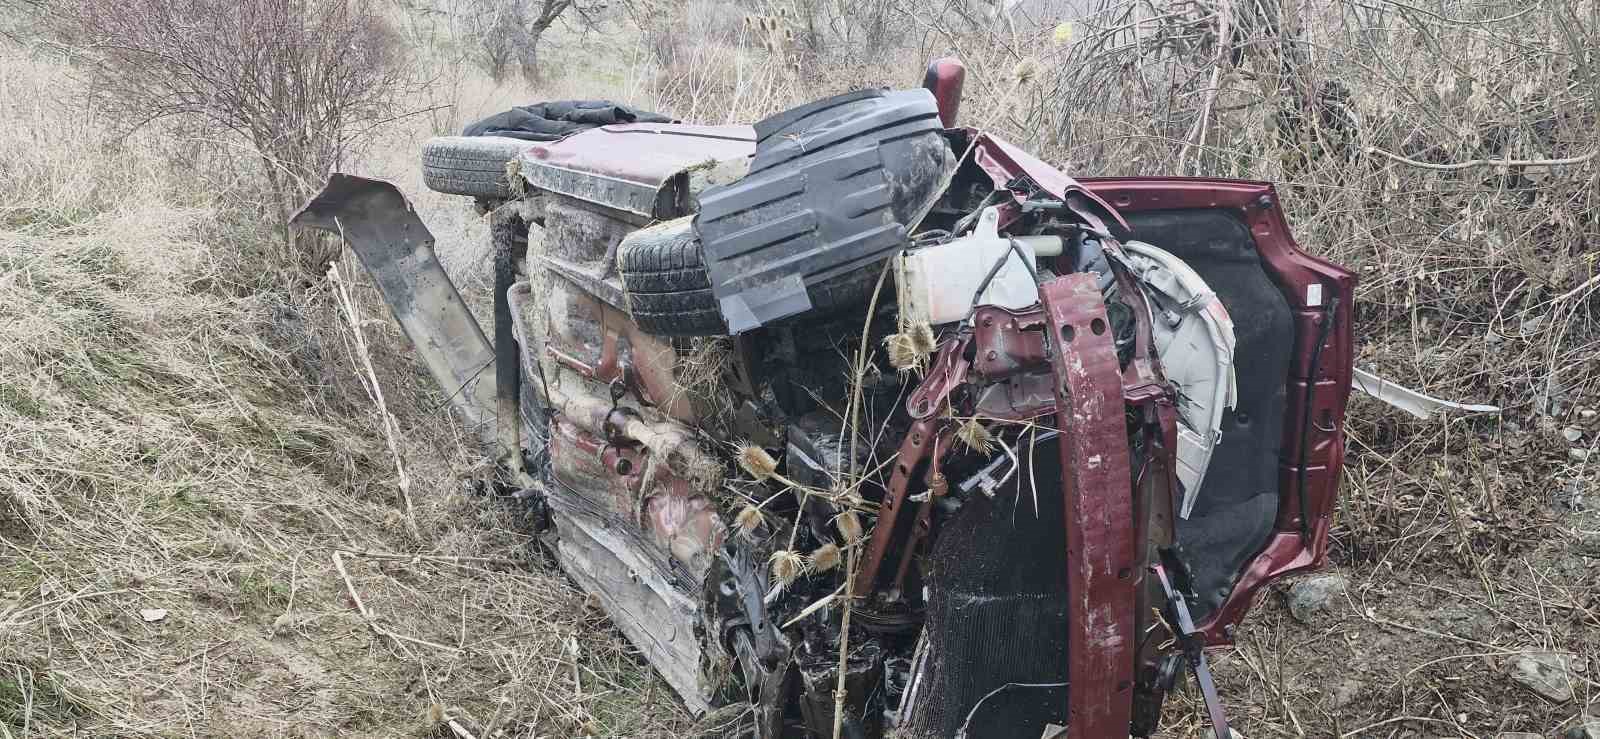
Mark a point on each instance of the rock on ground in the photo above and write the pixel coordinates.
(1346, 692)
(1589, 729)
(1547, 673)
(1315, 594)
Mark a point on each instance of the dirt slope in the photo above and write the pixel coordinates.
(184, 444)
(179, 434)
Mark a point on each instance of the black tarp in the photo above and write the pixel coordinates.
(549, 121)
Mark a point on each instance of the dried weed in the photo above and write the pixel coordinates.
(161, 448)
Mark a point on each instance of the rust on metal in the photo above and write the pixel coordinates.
(914, 448)
(1008, 341)
(949, 370)
(922, 525)
(963, 614)
(1099, 508)
(623, 481)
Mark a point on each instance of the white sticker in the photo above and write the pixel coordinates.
(1314, 295)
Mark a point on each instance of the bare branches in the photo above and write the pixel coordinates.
(1197, 135)
(507, 30)
(300, 80)
(549, 11)
(1471, 163)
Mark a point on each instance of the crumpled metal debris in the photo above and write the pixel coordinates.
(1417, 404)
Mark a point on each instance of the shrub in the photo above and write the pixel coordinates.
(298, 81)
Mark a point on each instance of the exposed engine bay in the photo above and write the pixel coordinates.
(863, 424)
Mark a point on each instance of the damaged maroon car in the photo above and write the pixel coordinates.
(861, 423)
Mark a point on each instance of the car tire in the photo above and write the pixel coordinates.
(669, 293)
(470, 165)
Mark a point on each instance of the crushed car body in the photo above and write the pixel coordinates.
(860, 423)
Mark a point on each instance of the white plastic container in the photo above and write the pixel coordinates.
(936, 283)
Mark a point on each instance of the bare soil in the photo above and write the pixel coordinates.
(1437, 607)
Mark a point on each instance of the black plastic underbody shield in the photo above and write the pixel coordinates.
(834, 187)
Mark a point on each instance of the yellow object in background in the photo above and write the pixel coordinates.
(1063, 32)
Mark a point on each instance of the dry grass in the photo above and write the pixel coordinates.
(179, 432)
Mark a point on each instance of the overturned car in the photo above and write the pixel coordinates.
(860, 423)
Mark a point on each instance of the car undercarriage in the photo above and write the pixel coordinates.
(860, 423)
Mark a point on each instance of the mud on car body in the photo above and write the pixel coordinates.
(862, 423)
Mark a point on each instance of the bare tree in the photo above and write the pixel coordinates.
(509, 31)
(549, 11)
(497, 26)
(298, 80)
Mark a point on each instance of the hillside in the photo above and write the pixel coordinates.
(185, 444)
(189, 452)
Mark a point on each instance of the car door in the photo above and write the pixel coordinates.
(1264, 508)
